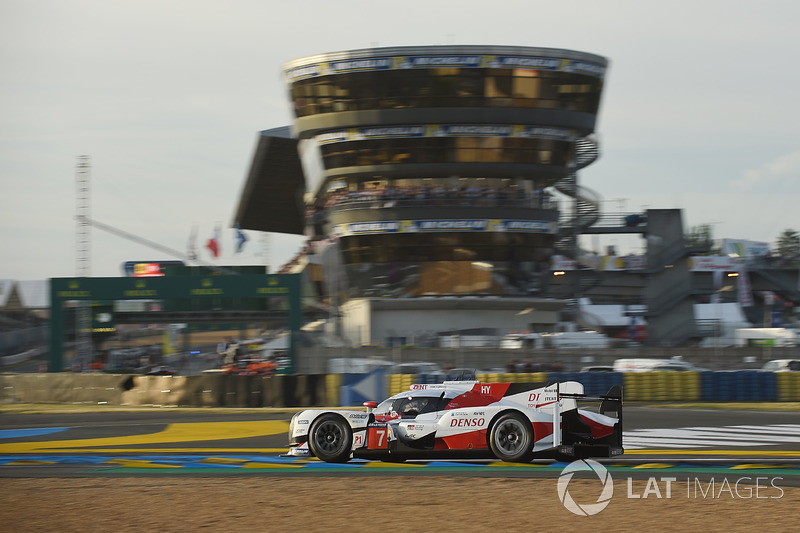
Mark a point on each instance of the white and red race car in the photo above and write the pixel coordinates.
(513, 422)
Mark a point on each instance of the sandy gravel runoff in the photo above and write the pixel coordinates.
(412, 504)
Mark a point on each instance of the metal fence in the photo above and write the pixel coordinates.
(316, 359)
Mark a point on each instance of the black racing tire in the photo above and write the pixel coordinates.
(331, 439)
(511, 438)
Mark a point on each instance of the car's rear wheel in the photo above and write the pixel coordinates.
(511, 438)
(331, 439)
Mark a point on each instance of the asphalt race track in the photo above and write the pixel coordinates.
(667, 441)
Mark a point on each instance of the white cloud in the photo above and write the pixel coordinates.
(785, 166)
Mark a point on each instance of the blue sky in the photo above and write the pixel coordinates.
(167, 97)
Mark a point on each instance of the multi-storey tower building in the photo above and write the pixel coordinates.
(436, 170)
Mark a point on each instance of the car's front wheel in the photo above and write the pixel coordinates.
(511, 438)
(331, 439)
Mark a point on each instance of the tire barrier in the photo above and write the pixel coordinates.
(593, 382)
(744, 385)
(662, 386)
(788, 386)
(317, 390)
(332, 384)
(521, 377)
(399, 383)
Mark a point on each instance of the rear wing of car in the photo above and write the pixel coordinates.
(610, 405)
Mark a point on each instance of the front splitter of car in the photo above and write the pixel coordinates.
(297, 450)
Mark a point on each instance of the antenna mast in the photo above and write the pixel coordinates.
(83, 259)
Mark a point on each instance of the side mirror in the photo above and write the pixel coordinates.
(370, 406)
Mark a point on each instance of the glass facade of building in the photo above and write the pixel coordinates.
(447, 150)
(447, 87)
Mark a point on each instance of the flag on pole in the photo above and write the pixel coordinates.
(241, 238)
(213, 244)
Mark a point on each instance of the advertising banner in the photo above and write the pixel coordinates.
(442, 225)
(444, 61)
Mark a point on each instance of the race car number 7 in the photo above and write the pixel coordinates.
(376, 440)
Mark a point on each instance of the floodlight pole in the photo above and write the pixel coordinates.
(83, 260)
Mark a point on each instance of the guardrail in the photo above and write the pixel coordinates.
(210, 390)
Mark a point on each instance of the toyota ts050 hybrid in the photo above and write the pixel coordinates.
(513, 422)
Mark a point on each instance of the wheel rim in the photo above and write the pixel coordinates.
(511, 437)
(329, 437)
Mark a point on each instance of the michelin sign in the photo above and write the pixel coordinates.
(449, 225)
